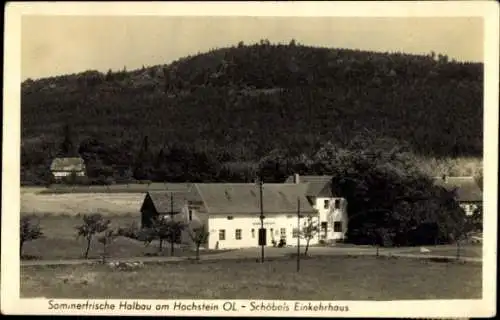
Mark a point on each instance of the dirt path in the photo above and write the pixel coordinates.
(268, 253)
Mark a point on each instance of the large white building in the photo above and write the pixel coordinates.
(231, 212)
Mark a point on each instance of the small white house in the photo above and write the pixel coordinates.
(332, 209)
(231, 213)
(64, 167)
(468, 193)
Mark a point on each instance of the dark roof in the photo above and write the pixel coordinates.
(68, 164)
(244, 198)
(162, 200)
(317, 185)
(169, 186)
(467, 188)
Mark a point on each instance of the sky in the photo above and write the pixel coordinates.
(55, 45)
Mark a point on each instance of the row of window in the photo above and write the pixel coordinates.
(337, 227)
(336, 204)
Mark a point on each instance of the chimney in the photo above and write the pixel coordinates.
(296, 178)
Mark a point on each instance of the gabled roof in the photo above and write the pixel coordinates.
(467, 188)
(163, 200)
(68, 164)
(169, 186)
(244, 198)
(317, 185)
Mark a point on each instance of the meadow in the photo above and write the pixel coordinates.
(33, 201)
(320, 278)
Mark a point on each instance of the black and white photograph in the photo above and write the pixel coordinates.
(250, 159)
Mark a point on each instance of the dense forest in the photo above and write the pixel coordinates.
(214, 116)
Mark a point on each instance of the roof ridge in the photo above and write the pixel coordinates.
(202, 198)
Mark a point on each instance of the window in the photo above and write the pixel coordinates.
(337, 226)
(295, 232)
(230, 217)
(253, 233)
(327, 204)
(238, 234)
(337, 204)
(190, 215)
(222, 234)
(324, 225)
(283, 233)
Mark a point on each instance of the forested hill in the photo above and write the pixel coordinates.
(241, 103)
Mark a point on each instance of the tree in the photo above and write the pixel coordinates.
(309, 231)
(162, 229)
(460, 233)
(92, 225)
(67, 146)
(28, 231)
(106, 239)
(199, 236)
(174, 233)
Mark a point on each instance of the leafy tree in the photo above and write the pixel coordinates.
(199, 236)
(29, 231)
(92, 224)
(106, 239)
(162, 229)
(309, 231)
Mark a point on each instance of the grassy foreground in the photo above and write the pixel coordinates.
(320, 278)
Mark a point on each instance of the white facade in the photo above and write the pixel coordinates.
(469, 207)
(242, 231)
(61, 174)
(332, 218)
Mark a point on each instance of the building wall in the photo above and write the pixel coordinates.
(249, 226)
(469, 207)
(61, 174)
(330, 214)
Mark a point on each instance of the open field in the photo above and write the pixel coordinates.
(114, 188)
(320, 278)
(83, 203)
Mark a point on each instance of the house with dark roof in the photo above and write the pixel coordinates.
(231, 211)
(467, 190)
(331, 207)
(64, 167)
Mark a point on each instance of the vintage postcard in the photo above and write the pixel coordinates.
(311, 159)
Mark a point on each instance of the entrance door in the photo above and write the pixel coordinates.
(324, 230)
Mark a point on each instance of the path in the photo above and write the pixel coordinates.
(268, 253)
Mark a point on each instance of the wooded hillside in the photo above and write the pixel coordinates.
(208, 113)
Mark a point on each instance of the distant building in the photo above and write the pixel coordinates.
(468, 193)
(332, 208)
(64, 167)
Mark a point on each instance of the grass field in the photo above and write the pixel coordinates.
(73, 204)
(320, 278)
(60, 242)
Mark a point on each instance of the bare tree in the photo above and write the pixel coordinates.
(28, 231)
(199, 236)
(92, 225)
(106, 239)
(309, 231)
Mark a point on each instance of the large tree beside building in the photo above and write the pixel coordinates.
(385, 190)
